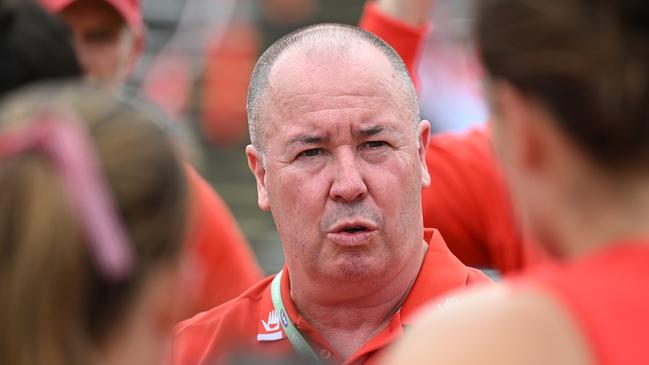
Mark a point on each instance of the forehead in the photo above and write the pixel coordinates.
(331, 85)
(90, 11)
(329, 70)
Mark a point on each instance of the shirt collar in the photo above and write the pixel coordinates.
(440, 273)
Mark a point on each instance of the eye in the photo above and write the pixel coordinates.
(102, 35)
(313, 152)
(373, 144)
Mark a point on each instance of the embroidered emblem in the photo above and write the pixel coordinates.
(271, 325)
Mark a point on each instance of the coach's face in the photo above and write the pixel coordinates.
(344, 168)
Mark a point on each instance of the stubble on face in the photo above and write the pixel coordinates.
(332, 98)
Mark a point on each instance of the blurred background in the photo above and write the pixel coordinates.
(198, 61)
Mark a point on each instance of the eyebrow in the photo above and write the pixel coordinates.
(314, 139)
(306, 139)
(369, 131)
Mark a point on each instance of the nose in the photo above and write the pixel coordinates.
(348, 184)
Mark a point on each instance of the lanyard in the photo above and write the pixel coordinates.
(300, 345)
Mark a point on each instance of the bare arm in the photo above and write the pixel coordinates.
(402, 24)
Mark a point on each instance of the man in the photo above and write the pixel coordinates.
(108, 37)
(338, 152)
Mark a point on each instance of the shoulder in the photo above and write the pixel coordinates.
(494, 325)
(475, 276)
(243, 304)
(221, 329)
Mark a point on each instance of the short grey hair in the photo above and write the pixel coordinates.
(320, 36)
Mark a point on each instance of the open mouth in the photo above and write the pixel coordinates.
(355, 229)
(352, 233)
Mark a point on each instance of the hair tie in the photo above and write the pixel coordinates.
(66, 142)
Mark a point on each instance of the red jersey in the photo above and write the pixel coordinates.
(226, 265)
(607, 295)
(467, 201)
(249, 323)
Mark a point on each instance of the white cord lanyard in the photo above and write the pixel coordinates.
(300, 345)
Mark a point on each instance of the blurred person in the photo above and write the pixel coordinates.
(568, 85)
(229, 61)
(468, 200)
(28, 36)
(108, 37)
(91, 270)
(338, 153)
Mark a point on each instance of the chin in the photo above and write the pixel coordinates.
(354, 266)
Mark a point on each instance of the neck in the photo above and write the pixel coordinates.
(348, 317)
(603, 212)
(137, 342)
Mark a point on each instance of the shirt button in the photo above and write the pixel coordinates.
(325, 354)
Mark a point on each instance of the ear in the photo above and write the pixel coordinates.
(256, 165)
(518, 128)
(423, 138)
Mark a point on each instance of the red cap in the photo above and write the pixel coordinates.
(128, 9)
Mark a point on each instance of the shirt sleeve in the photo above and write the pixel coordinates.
(227, 266)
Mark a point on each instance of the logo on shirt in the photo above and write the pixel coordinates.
(284, 318)
(447, 302)
(273, 322)
(271, 326)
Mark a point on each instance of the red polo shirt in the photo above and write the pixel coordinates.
(248, 324)
(226, 266)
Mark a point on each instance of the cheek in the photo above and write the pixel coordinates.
(399, 173)
(99, 61)
(299, 196)
(125, 48)
(396, 187)
(110, 59)
(503, 143)
(297, 204)
(116, 57)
